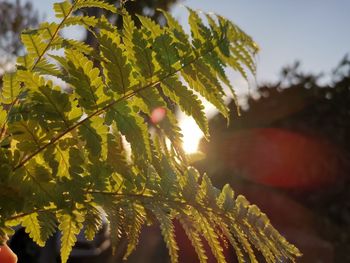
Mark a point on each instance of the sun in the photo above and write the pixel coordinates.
(191, 134)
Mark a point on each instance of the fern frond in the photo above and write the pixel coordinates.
(149, 100)
(168, 233)
(150, 25)
(32, 227)
(189, 185)
(198, 81)
(135, 217)
(62, 9)
(138, 49)
(10, 88)
(29, 134)
(187, 100)
(194, 237)
(70, 226)
(116, 221)
(62, 151)
(116, 155)
(208, 193)
(44, 67)
(86, 79)
(242, 239)
(72, 44)
(234, 243)
(133, 127)
(33, 43)
(86, 21)
(95, 3)
(32, 80)
(117, 69)
(177, 31)
(48, 224)
(53, 105)
(93, 222)
(210, 234)
(3, 120)
(94, 134)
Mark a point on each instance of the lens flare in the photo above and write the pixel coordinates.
(158, 115)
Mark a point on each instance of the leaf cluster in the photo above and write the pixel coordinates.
(66, 117)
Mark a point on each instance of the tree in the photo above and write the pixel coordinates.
(63, 160)
(18, 18)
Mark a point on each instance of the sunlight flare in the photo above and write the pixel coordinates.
(192, 134)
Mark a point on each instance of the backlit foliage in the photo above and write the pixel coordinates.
(63, 161)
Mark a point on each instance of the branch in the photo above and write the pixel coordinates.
(111, 104)
(41, 210)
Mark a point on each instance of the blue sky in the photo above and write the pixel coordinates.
(316, 32)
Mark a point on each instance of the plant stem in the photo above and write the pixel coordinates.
(111, 104)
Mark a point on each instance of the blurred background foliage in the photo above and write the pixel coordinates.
(16, 16)
(22, 15)
(289, 153)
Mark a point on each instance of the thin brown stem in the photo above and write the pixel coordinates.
(41, 210)
(111, 104)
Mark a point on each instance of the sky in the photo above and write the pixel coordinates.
(314, 32)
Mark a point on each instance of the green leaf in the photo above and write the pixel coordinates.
(167, 54)
(116, 220)
(225, 199)
(86, 80)
(133, 127)
(29, 134)
(51, 106)
(32, 227)
(188, 102)
(33, 43)
(32, 80)
(116, 67)
(116, 155)
(150, 25)
(86, 21)
(226, 231)
(94, 133)
(199, 32)
(189, 184)
(70, 226)
(208, 193)
(135, 217)
(62, 9)
(178, 32)
(93, 222)
(48, 224)
(44, 67)
(194, 237)
(3, 116)
(211, 236)
(198, 81)
(10, 89)
(138, 49)
(95, 3)
(168, 233)
(149, 100)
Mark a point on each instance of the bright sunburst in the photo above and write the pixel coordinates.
(192, 134)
